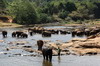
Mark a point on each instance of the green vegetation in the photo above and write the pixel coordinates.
(46, 11)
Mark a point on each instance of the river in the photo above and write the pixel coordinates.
(7, 58)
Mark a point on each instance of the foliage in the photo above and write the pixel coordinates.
(63, 14)
(44, 18)
(22, 12)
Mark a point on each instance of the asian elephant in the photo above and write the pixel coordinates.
(31, 33)
(24, 35)
(47, 54)
(40, 44)
(4, 34)
(63, 32)
(18, 34)
(46, 34)
(14, 34)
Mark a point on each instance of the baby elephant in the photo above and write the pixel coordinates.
(47, 54)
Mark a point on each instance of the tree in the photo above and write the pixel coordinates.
(22, 12)
(3, 6)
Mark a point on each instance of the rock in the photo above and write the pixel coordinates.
(18, 42)
(91, 53)
(27, 46)
(63, 53)
(1, 40)
(29, 50)
(78, 39)
(18, 54)
(53, 45)
(55, 53)
(5, 53)
(21, 42)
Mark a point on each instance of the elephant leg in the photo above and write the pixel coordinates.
(46, 57)
(47, 54)
(50, 58)
(31, 33)
(4, 36)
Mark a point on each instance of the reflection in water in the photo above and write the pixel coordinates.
(59, 59)
(46, 63)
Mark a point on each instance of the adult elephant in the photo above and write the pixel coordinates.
(40, 44)
(31, 33)
(24, 35)
(46, 34)
(47, 54)
(18, 34)
(14, 34)
(4, 34)
(63, 32)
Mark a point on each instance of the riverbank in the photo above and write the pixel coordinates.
(5, 25)
(89, 24)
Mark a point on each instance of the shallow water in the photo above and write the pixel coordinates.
(10, 59)
(63, 61)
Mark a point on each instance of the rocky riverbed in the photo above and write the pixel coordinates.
(16, 48)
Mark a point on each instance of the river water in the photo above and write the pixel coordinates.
(10, 59)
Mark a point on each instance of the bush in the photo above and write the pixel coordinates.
(63, 14)
(44, 18)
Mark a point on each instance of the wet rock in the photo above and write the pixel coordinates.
(18, 42)
(21, 42)
(29, 50)
(65, 50)
(33, 55)
(91, 53)
(1, 40)
(46, 41)
(27, 46)
(19, 54)
(78, 39)
(63, 53)
(5, 53)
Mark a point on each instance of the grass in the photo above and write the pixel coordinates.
(9, 24)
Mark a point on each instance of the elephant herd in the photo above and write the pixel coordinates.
(86, 31)
(46, 32)
(18, 34)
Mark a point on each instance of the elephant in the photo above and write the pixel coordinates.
(38, 30)
(54, 31)
(18, 34)
(24, 35)
(31, 33)
(80, 33)
(4, 34)
(14, 34)
(73, 33)
(63, 32)
(47, 54)
(46, 34)
(40, 44)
